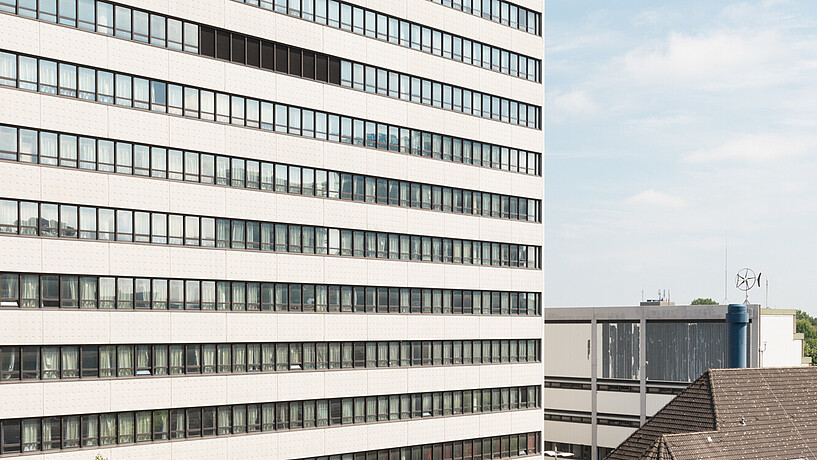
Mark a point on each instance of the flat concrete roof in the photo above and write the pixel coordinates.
(636, 313)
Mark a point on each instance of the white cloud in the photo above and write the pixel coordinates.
(665, 121)
(716, 61)
(756, 148)
(652, 197)
(571, 104)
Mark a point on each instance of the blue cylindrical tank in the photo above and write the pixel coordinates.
(737, 323)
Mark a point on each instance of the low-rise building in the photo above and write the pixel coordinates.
(608, 370)
(733, 414)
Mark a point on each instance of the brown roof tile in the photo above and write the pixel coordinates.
(767, 413)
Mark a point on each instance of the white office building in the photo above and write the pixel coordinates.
(608, 370)
(271, 229)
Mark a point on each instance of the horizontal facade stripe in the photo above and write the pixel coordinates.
(107, 429)
(99, 85)
(508, 446)
(30, 290)
(75, 221)
(499, 11)
(88, 153)
(30, 364)
(255, 52)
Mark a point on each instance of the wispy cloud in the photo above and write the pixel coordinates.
(715, 61)
(756, 148)
(652, 197)
(570, 104)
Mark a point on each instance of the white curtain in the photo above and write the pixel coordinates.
(31, 435)
(253, 417)
(71, 431)
(141, 92)
(8, 69)
(107, 433)
(8, 216)
(240, 355)
(268, 416)
(177, 423)
(177, 359)
(309, 414)
(12, 362)
(209, 358)
(68, 78)
(125, 359)
(224, 420)
(268, 357)
(253, 357)
(126, 427)
(240, 419)
(107, 286)
(143, 360)
(105, 87)
(51, 433)
(70, 361)
(28, 73)
(322, 413)
(321, 356)
(208, 295)
(348, 410)
(224, 358)
(160, 359)
(309, 356)
(282, 357)
(48, 76)
(90, 428)
(223, 295)
(51, 362)
(87, 83)
(106, 361)
(143, 426)
(159, 294)
(123, 89)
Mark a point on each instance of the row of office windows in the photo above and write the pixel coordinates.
(158, 30)
(72, 151)
(505, 13)
(107, 429)
(30, 363)
(372, 24)
(508, 446)
(51, 77)
(109, 292)
(627, 421)
(96, 223)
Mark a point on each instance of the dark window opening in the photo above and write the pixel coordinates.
(238, 54)
(208, 41)
(223, 45)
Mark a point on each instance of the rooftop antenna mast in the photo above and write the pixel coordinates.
(725, 269)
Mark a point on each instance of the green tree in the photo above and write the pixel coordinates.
(805, 325)
(703, 301)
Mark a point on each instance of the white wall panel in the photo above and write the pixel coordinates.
(576, 400)
(41, 255)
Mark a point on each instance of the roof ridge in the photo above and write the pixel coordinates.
(667, 448)
(711, 385)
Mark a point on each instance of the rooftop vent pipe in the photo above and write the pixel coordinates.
(737, 322)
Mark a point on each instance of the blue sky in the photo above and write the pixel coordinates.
(672, 129)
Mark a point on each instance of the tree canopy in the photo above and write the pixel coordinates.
(805, 325)
(703, 301)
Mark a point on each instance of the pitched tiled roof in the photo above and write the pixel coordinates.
(768, 413)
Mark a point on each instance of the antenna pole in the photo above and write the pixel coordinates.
(767, 292)
(725, 269)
